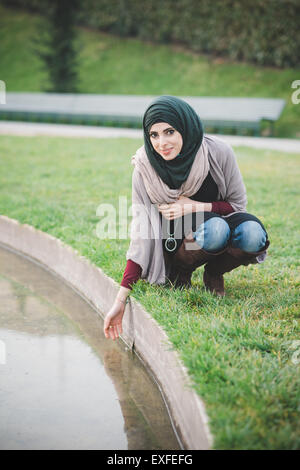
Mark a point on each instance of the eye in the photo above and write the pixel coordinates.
(170, 131)
(153, 135)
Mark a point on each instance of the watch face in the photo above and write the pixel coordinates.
(170, 244)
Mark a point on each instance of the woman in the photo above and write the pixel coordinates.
(191, 208)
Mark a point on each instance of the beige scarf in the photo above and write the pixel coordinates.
(158, 191)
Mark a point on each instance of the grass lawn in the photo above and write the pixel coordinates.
(113, 65)
(240, 350)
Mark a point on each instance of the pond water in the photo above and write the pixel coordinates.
(62, 384)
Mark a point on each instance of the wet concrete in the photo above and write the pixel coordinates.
(62, 384)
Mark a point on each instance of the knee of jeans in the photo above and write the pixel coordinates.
(213, 234)
(249, 236)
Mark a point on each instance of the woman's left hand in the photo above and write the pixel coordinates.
(181, 207)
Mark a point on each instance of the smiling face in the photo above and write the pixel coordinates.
(166, 140)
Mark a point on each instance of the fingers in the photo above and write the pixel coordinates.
(116, 333)
(120, 328)
(167, 212)
(108, 329)
(169, 215)
(107, 332)
(166, 215)
(112, 327)
(171, 211)
(112, 331)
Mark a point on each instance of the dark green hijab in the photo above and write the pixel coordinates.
(186, 121)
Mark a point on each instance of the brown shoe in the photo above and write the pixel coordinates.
(214, 283)
(186, 260)
(232, 258)
(180, 278)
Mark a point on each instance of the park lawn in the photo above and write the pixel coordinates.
(241, 351)
(113, 65)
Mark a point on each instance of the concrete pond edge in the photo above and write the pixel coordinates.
(141, 331)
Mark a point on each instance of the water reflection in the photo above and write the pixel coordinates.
(64, 386)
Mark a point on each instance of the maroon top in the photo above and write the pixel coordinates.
(132, 274)
(221, 207)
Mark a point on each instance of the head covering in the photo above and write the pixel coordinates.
(180, 115)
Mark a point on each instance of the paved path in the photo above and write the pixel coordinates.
(67, 130)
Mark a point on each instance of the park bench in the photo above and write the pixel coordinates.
(224, 115)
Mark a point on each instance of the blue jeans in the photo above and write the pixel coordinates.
(215, 234)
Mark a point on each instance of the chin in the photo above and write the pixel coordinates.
(169, 157)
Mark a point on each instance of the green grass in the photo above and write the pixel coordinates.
(115, 65)
(238, 350)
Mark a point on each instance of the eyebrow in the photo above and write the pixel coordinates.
(165, 130)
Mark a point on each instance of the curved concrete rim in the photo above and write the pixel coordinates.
(141, 331)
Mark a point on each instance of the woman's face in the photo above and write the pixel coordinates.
(165, 140)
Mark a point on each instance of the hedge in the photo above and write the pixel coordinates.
(264, 32)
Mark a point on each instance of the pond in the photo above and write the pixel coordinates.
(62, 384)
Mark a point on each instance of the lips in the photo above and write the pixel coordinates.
(166, 152)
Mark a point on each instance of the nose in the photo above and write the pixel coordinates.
(162, 141)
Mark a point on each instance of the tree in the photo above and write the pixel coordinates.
(56, 45)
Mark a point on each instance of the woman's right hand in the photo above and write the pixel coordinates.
(113, 320)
